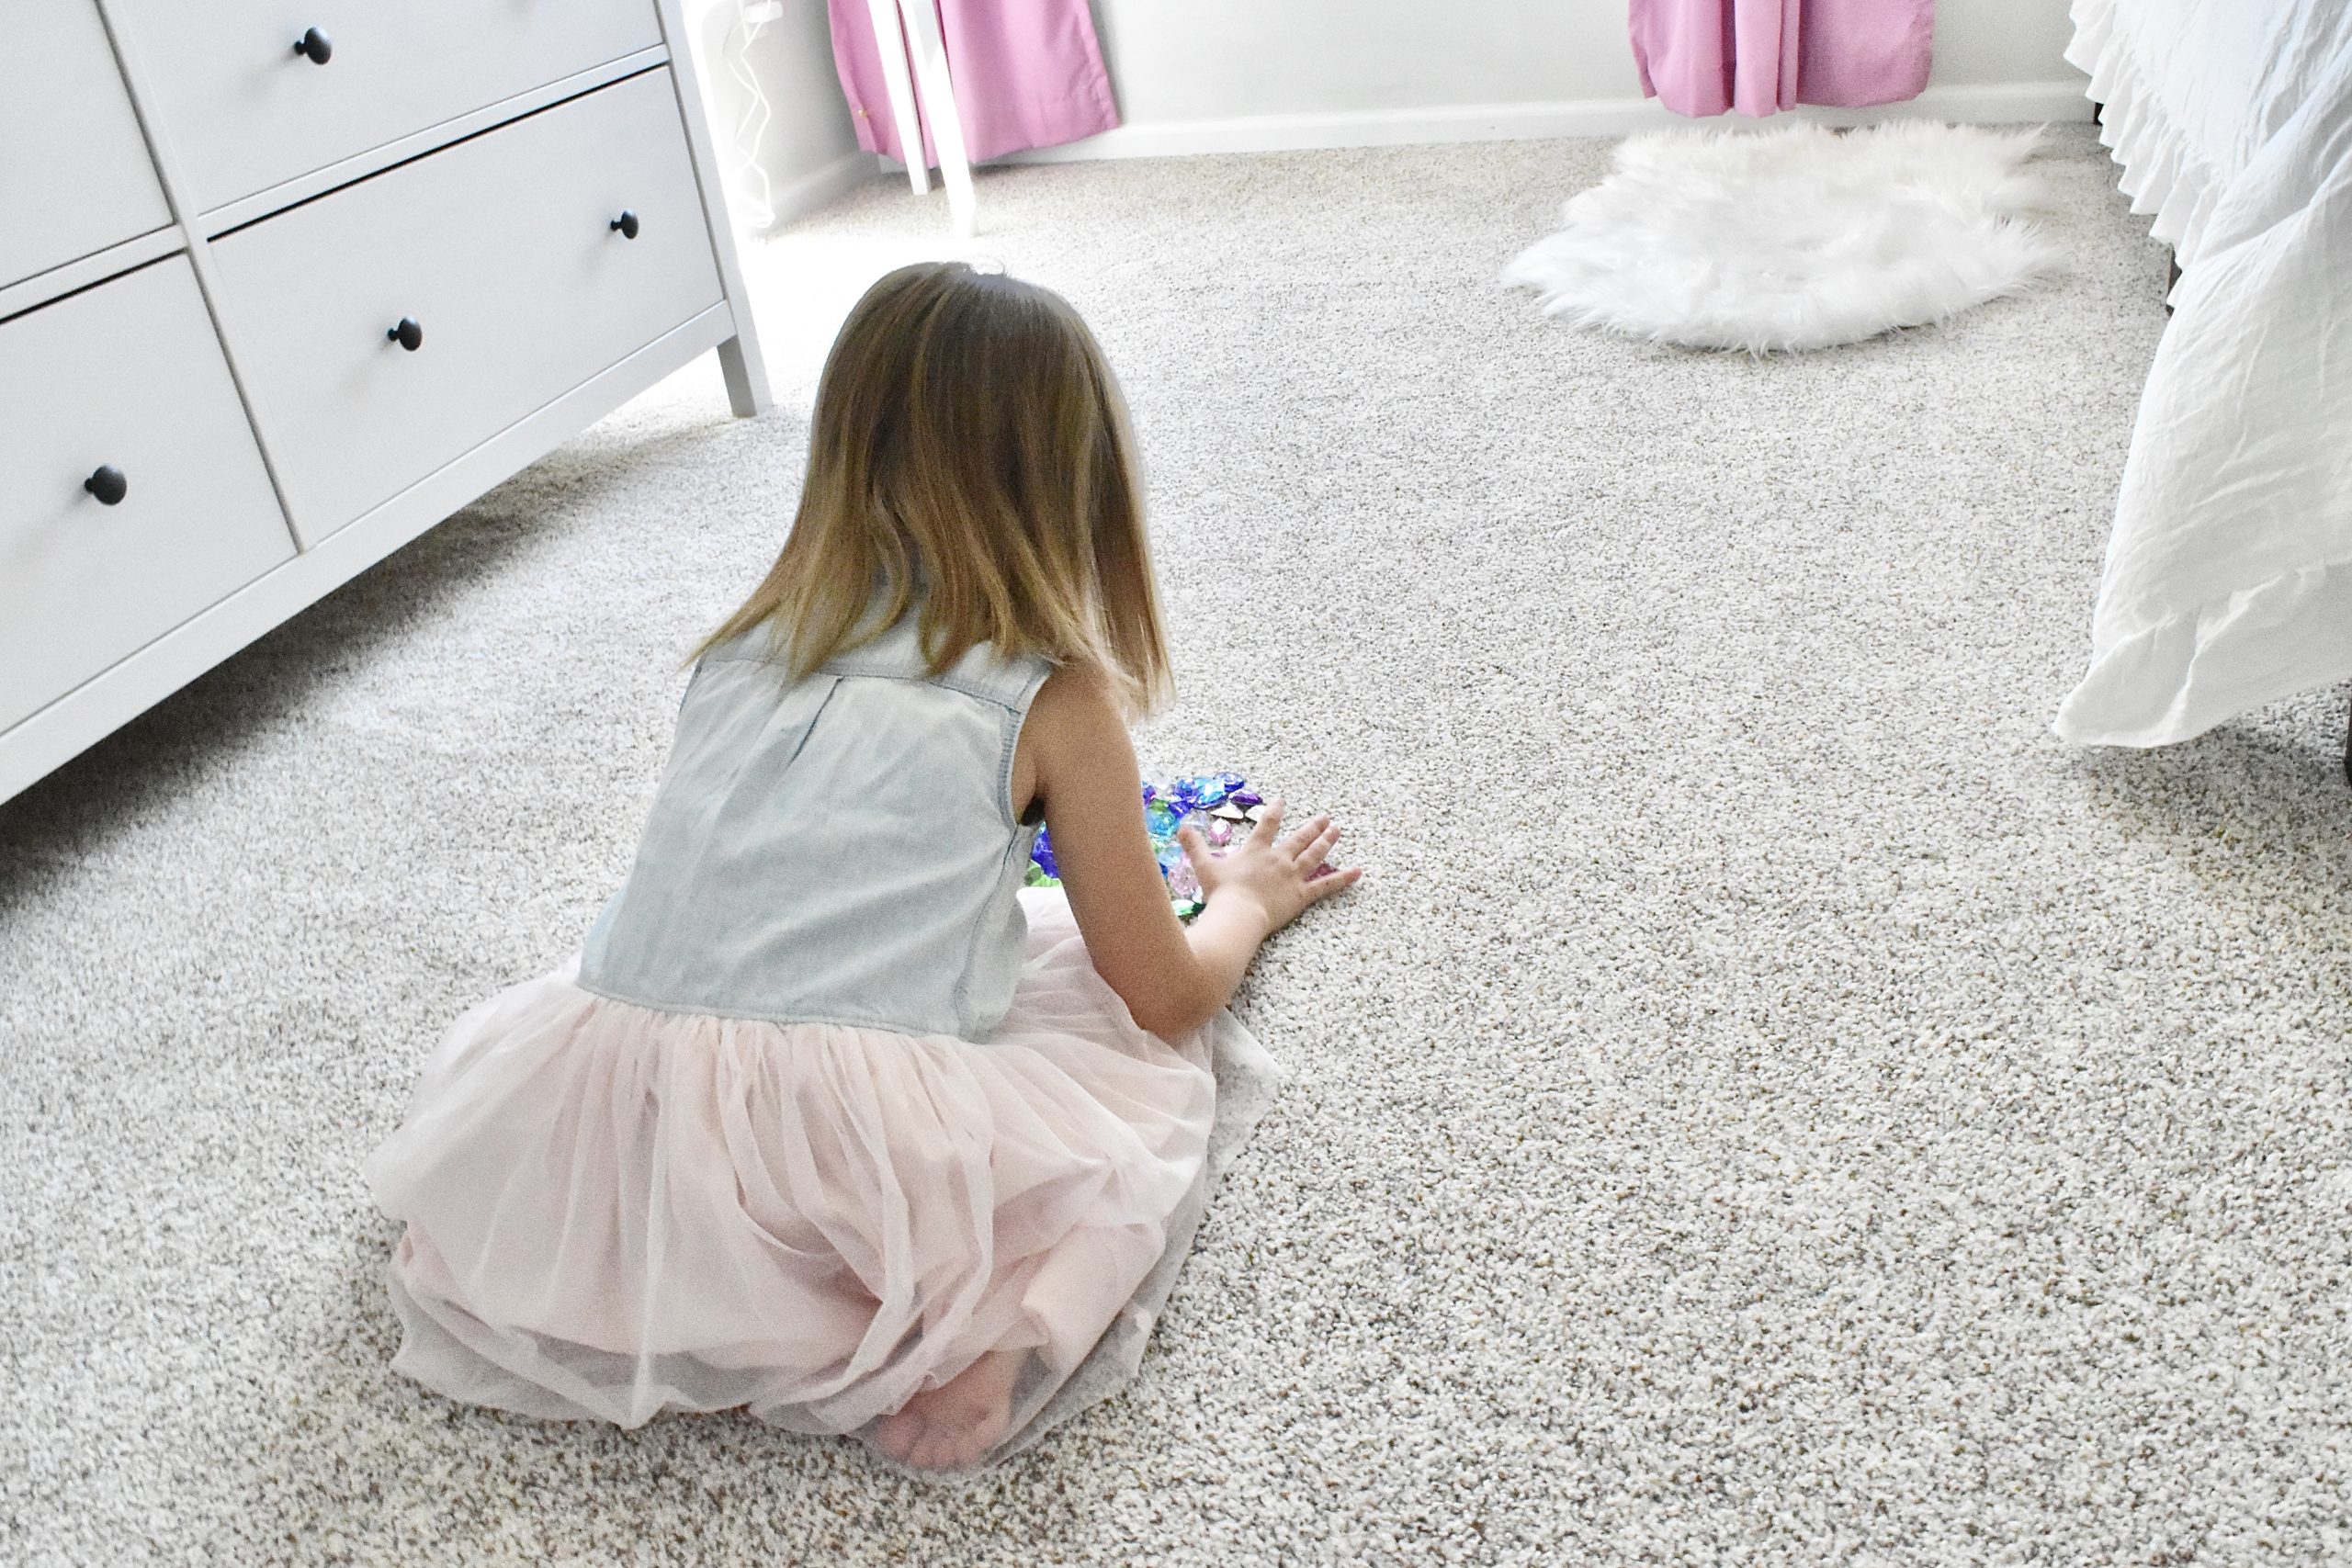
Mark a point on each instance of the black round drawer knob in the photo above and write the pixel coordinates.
(109, 485)
(627, 224)
(408, 334)
(315, 47)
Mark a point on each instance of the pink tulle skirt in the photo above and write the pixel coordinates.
(614, 1212)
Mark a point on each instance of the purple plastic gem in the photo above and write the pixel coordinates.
(1167, 805)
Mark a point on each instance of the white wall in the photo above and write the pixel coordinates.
(1230, 75)
(801, 138)
(1305, 72)
(1216, 59)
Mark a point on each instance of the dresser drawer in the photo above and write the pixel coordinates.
(74, 174)
(126, 375)
(245, 111)
(503, 252)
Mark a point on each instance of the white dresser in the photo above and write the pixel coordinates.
(283, 283)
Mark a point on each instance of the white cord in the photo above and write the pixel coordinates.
(751, 18)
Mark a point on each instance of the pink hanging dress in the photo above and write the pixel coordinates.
(1027, 74)
(1702, 57)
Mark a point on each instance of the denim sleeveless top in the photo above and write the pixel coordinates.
(843, 848)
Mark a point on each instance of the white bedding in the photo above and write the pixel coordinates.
(2229, 575)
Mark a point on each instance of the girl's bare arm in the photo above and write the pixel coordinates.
(1075, 757)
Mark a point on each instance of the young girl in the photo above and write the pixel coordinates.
(830, 1120)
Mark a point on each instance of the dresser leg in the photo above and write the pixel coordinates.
(2347, 748)
(747, 379)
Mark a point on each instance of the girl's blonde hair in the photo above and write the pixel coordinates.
(971, 451)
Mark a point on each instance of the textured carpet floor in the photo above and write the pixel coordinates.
(1771, 1103)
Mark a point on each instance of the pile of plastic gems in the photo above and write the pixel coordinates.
(1218, 805)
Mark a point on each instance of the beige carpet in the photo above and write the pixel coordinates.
(1771, 1103)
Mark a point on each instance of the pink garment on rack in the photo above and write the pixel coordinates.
(1026, 72)
(1702, 57)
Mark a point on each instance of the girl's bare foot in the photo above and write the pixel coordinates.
(951, 1425)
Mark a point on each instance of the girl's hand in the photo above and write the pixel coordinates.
(1278, 877)
(1074, 756)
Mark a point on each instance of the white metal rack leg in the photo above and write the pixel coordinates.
(910, 29)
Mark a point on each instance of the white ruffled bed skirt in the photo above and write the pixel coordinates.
(2228, 581)
(613, 1213)
(2169, 177)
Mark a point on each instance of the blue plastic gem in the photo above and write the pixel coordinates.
(1167, 807)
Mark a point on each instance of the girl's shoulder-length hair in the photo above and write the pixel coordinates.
(970, 460)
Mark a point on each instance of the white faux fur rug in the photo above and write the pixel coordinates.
(1793, 238)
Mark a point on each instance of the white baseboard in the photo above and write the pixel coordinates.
(804, 195)
(1992, 104)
